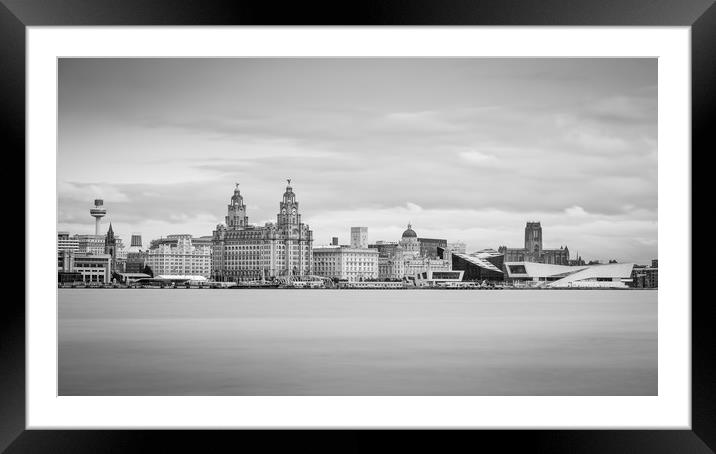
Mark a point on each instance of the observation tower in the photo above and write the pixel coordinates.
(98, 212)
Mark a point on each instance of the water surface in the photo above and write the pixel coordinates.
(357, 342)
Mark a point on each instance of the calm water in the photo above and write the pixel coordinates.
(357, 342)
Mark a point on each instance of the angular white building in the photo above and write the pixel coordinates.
(533, 274)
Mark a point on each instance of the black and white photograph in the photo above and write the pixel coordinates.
(358, 223)
(430, 226)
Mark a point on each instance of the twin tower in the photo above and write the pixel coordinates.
(247, 252)
(236, 218)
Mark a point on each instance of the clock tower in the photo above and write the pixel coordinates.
(288, 209)
(236, 216)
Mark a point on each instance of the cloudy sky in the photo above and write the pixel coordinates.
(465, 149)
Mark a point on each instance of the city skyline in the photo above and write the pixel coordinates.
(464, 149)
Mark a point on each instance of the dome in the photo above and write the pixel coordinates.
(410, 233)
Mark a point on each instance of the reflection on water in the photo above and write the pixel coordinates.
(357, 342)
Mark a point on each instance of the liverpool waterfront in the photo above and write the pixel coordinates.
(348, 342)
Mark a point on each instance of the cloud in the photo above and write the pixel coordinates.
(601, 142)
(413, 208)
(575, 211)
(630, 109)
(478, 158)
(465, 148)
(88, 192)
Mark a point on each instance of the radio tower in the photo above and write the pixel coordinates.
(97, 213)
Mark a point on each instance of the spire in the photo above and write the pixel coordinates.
(110, 232)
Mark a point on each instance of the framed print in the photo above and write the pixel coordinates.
(406, 218)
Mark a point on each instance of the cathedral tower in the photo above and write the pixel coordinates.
(533, 238)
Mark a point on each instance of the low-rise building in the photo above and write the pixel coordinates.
(439, 278)
(92, 268)
(178, 255)
(533, 274)
(480, 266)
(346, 263)
(645, 276)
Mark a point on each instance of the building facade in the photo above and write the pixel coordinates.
(359, 237)
(534, 251)
(384, 248)
(457, 246)
(65, 242)
(429, 246)
(544, 275)
(89, 268)
(178, 255)
(135, 262)
(242, 251)
(136, 257)
(409, 257)
(645, 276)
(90, 244)
(346, 263)
(485, 265)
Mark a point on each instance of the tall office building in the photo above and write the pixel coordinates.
(242, 251)
(136, 241)
(359, 237)
(135, 256)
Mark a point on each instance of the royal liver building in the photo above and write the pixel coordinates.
(244, 252)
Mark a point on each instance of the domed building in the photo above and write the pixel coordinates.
(409, 242)
(410, 233)
(410, 257)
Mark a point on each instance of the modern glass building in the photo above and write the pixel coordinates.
(484, 265)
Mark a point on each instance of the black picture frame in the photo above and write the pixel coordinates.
(15, 15)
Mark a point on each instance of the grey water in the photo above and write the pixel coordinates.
(357, 342)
